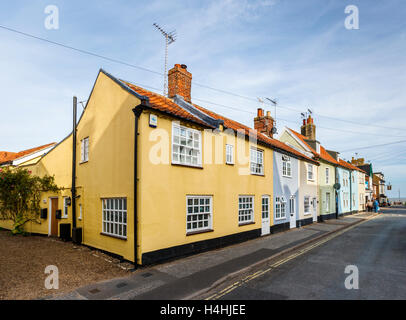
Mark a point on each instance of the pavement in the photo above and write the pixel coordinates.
(375, 249)
(194, 276)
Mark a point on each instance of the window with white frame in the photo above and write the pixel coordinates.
(186, 146)
(327, 175)
(257, 161)
(310, 172)
(199, 213)
(65, 207)
(306, 205)
(245, 209)
(229, 154)
(114, 217)
(84, 150)
(286, 166)
(265, 207)
(292, 205)
(328, 202)
(280, 208)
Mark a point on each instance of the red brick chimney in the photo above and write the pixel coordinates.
(308, 128)
(264, 124)
(180, 82)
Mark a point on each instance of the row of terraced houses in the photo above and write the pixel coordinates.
(148, 177)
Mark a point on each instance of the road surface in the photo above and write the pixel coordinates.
(377, 248)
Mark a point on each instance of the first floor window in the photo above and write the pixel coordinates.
(280, 208)
(84, 148)
(257, 161)
(115, 216)
(245, 209)
(310, 174)
(186, 146)
(327, 175)
(286, 168)
(307, 205)
(229, 154)
(199, 213)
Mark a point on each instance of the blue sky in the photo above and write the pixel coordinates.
(296, 51)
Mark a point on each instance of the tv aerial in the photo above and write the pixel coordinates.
(170, 37)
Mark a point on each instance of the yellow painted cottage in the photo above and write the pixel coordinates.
(159, 177)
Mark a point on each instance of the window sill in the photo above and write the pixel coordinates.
(257, 174)
(229, 163)
(286, 176)
(245, 223)
(191, 233)
(113, 236)
(186, 165)
(307, 213)
(83, 162)
(279, 219)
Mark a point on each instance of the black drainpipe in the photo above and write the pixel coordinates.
(137, 112)
(73, 201)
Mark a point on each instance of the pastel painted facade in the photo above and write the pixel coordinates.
(286, 190)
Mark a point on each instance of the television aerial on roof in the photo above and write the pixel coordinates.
(170, 37)
(274, 102)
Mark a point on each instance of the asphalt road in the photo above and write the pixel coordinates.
(377, 248)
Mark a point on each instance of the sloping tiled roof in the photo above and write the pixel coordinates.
(164, 104)
(324, 155)
(6, 156)
(234, 125)
(10, 156)
(350, 166)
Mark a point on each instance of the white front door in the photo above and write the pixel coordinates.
(314, 209)
(292, 212)
(265, 215)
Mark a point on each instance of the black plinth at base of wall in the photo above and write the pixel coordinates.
(171, 253)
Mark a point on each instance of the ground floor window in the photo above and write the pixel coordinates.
(199, 213)
(306, 205)
(115, 216)
(280, 208)
(245, 209)
(328, 202)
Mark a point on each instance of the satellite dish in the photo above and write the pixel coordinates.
(337, 186)
(274, 130)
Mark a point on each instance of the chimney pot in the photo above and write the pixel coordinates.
(260, 112)
(268, 114)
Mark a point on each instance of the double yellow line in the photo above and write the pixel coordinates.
(257, 274)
